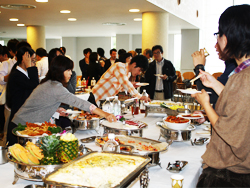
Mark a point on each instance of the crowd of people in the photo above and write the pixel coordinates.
(39, 84)
(23, 71)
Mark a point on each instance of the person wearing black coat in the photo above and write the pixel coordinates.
(168, 76)
(94, 69)
(22, 81)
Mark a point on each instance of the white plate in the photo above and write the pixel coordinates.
(142, 84)
(188, 91)
(168, 103)
(73, 112)
(158, 74)
(203, 132)
(200, 116)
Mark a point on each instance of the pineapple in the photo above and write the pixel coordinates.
(68, 150)
(49, 145)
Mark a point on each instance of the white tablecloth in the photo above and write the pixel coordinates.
(159, 177)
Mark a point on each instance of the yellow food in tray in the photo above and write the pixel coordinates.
(175, 107)
(97, 170)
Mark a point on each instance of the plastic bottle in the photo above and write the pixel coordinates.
(93, 82)
(79, 83)
(117, 106)
(136, 109)
(142, 106)
(111, 143)
(106, 107)
(84, 84)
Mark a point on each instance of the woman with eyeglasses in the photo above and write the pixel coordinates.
(226, 162)
(22, 81)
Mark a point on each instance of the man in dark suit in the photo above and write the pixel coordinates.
(111, 60)
(84, 63)
(160, 76)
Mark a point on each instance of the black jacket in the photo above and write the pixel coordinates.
(150, 77)
(108, 64)
(84, 67)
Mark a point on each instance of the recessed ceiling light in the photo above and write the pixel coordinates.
(137, 19)
(72, 19)
(17, 6)
(65, 11)
(42, 1)
(134, 10)
(113, 23)
(13, 19)
(20, 25)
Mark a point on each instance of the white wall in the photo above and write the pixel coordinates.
(189, 44)
(136, 42)
(53, 43)
(70, 44)
(170, 48)
(124, 41)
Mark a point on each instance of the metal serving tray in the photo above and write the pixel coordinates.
(139, 171)
(22, 139)
(154, 155)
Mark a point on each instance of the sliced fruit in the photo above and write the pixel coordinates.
(32, 159)
(34, 150)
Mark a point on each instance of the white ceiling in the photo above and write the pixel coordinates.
(90, 15)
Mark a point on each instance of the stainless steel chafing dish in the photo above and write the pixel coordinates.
(154, 155)
(122, 131)
(84, 124)
(141, 171)
(33, 172)
(22, 139)
(172, 135)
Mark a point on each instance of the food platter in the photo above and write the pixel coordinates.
(190, 116)
(141, 145)
(157, 103)
(127, 125)
(93, 178)
(22, 139)
(120, 128)
(190, 91)
(142, 84)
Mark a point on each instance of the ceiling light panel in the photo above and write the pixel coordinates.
(13, 19)
(134, 10)
(17, 6)
(137, 19)
(42, 1)
(20, 25)
(72, 19)
(65, 11)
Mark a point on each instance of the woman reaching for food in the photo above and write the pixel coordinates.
(47, 97)
(227, 158)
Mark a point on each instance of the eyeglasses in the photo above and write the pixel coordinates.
(156, 53)
(216, 35)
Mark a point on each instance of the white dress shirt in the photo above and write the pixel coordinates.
(42, 66)
(5, 68)
(159, 81)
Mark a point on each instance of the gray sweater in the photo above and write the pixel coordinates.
(44, 101)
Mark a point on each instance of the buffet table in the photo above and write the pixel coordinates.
(159, 177)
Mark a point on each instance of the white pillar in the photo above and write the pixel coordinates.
(155, 30)
(36, 36)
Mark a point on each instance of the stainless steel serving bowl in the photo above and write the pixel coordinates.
(172, 135)
(92, 124)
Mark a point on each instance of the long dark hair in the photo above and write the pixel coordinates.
(57, 67)
(19, 56)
